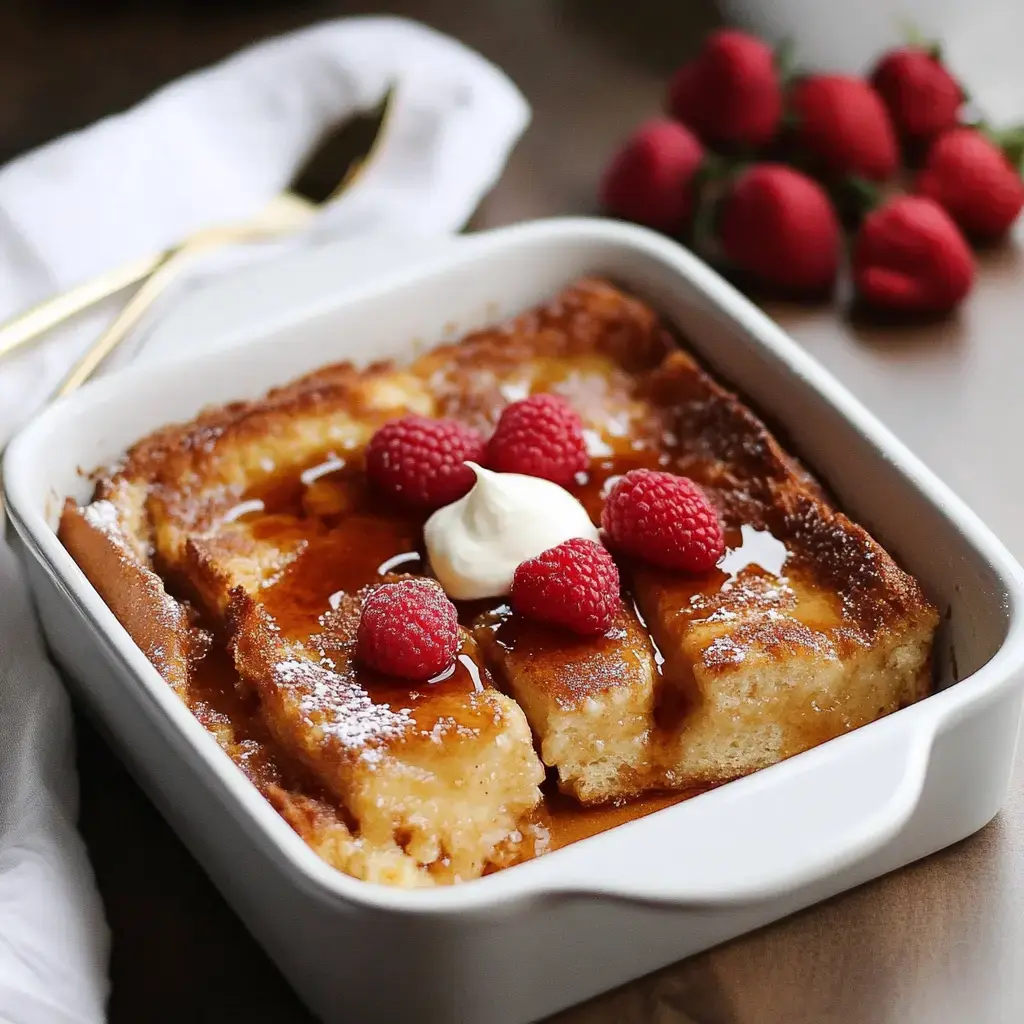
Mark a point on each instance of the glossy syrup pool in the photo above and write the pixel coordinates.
(353, 539)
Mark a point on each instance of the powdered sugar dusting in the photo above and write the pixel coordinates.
(341, 709)
(167, 646)
(743, 597)
(102, 515)
(725, 651)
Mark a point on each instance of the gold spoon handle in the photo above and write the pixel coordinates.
(125, 322)
(33, 323)
(277, 219)
(50, 313)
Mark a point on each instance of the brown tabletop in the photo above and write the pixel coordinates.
(941, 940)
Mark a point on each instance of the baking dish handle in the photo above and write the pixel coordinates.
(771, 833)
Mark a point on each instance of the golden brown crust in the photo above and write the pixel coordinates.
(591, 328)
(723, 446)
(133, 592)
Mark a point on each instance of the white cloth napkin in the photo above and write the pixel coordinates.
(208, 149)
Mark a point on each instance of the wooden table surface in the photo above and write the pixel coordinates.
(941, 940)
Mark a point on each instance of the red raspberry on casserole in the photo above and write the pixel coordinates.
(540, 436)
(422, 462)
(574, 584)
(408, 629)
(664, 519)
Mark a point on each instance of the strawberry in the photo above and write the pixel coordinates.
(909, 257)
(779, 226)
(971, 178)
(731, 93)
(923, 98)
(841, 124)
(651, 179)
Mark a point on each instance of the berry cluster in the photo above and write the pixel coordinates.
(409, 628)
(659, 518)
(759, 168)
(421, 462)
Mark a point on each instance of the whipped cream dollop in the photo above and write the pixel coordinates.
(476, 543)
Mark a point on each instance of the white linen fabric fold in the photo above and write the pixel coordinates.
(210, 148)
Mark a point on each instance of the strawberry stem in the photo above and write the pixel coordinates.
(912, 34)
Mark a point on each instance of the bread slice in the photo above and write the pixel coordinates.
(589, 701)
(807, 630)
(100, 544)
(443, 772)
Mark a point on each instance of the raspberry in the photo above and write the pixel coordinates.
(540, 436)
(422, 461)
(664, 519)
(574, 584)
(408, 629)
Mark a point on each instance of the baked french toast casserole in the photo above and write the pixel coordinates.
(711, 615)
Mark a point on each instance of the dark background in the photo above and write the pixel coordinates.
(590, 69)
(587, 66)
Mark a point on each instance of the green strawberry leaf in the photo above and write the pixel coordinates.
(911, 33)
(913, 36)
(713, 168)
(713, 180)
(785, 62)
(1014, 151)
(1009, 140)
(790, 120)
(855, 197)
(702, 231)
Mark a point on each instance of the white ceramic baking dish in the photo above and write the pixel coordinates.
(523, 943)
